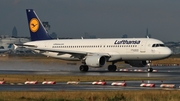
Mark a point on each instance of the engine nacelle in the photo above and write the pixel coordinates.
(95, 61)
(137, 63)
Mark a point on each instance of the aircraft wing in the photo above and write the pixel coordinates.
(61, 51)
(33, 47)
(23, 45)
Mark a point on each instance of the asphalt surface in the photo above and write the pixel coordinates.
(172, 72)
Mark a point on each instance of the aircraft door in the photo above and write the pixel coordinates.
(46, 45)
(143, 46)
(47, 53)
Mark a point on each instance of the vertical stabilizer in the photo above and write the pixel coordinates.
(10, 45)
(36, 28)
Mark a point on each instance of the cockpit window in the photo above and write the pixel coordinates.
(158, 45)
(162, 45)
(154, 45)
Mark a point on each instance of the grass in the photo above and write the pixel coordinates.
(167, 61)
(144, 95)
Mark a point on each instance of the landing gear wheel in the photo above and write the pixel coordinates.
(150, 69)
(112, 68)
(83, 68)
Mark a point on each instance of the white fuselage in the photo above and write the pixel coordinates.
(117, 48)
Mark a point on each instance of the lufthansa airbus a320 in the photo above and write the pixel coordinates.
(137, 52)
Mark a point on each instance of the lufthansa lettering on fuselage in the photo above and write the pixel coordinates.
(58, 44)
(127, 42)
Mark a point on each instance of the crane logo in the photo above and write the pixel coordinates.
(34, 25)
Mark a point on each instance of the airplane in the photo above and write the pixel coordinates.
(6, 48)
(137, 52)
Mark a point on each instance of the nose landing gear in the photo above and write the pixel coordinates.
(149, 69)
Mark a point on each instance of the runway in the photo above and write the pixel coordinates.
(170, 72)
(61, 86)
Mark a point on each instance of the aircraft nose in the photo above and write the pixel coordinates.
(168, 52)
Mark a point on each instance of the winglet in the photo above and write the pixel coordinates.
(36, 28)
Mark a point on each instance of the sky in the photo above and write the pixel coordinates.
(102, 18)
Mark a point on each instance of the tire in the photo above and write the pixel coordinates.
(112, 68)
(83, 68)
(150, 69)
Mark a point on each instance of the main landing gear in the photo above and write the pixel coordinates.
(83, 68)
(112, 68)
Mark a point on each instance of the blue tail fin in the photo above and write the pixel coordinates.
(10, 45)
(36, 28)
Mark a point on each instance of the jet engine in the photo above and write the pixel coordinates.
(137, 63)
(95, 61)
